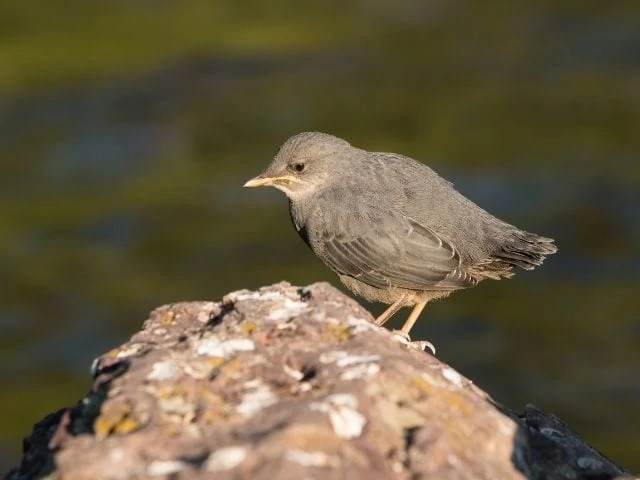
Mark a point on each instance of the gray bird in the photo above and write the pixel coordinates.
(391, 228)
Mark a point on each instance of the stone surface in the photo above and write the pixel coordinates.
(291, 383)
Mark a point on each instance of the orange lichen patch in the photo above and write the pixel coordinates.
(215, 413)
(233, 366)
(212, 407)
(248, 327)
(126, 350)
(172, 430)
(460, 403)
(117, 418)
(168, 318)
(215, 361)
(167, 391)
(113, 353)
(423, 385)
(339, 331)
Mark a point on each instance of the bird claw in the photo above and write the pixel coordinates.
(421, 345)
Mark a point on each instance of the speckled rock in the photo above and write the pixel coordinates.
(291, 383)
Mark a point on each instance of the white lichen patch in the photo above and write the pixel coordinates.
(207, 311)
(453, 376)
(360, 366)
(284, 307)
(294, 304)
(345, 359)
(279, 314)
(289, 309)
(348, 360)
(269, 296)
(258, 398)
(319, 315)
(239, 295)
(226, 458)
(164, 370)
(345, 419)
(434, 380)
(160, 468)
(297, 375)
(286, 326)
(199, 368)
(332, 356)
(305, 387)
(359, 325)
(255, 383)
(242, 295)
(362, 370)
(214, 347)
(312, 459)
(177, 405)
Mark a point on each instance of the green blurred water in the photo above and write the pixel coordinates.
(128, 128)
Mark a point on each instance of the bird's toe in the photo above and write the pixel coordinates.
(421, 345)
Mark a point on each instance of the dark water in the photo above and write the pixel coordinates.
(123, 160)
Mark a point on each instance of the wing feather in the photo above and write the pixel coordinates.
(394, 250)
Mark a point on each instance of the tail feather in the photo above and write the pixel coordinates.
(525, 250)
(520, 249)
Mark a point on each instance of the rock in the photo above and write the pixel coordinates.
(291, 383)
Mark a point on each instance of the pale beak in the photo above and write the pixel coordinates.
(261, 181)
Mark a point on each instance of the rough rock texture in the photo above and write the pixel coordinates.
(291, 383)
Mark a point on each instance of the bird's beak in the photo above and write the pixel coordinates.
(259, 181)
(265, 181)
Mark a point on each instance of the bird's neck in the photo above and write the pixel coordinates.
(299, 211)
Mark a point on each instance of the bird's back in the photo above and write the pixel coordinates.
(487, 246)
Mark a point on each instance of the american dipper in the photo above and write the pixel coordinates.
(391, 228)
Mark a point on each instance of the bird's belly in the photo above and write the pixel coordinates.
(390, 294)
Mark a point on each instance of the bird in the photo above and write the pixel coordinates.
(390, 227)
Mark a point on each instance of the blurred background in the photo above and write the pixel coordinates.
(127, 129)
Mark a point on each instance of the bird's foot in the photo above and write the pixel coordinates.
(421, 345)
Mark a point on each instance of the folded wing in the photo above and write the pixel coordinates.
(394, 250)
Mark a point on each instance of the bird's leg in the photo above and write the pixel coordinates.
(390, 311)
(403, 334)
(415, 313)
(408, 325)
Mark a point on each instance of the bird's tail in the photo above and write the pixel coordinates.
(525, 250)
(520, 249)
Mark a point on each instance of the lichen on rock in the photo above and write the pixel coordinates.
(290, 383)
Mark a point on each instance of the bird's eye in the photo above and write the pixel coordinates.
(299, 167)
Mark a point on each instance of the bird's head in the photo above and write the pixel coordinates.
(303, 164)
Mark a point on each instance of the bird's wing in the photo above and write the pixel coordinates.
(391, 249)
